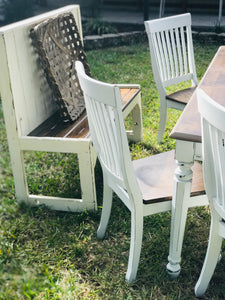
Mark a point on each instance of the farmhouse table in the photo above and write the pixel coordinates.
(187, 133)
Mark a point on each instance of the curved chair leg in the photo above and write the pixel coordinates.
(211, 259)
(135, 246)
(106, 211)
(162, 121)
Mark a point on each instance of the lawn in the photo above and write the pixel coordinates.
(55, 255)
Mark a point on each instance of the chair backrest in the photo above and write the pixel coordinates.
(104, 109)
(22, 79)
(213, 138)
(171, 49)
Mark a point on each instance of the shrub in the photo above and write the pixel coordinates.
(15, 10)
(96, 26)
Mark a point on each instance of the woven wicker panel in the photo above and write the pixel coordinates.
(59, 45)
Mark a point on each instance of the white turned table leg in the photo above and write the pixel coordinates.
(181, 194)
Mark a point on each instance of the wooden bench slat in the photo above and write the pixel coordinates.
(127, 95)
(55, 127)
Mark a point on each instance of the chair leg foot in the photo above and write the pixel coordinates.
(130, 279)
(135, 246)
(199, 291)
(100, 234)
(160, 136)
(106, 211)
(173, 270)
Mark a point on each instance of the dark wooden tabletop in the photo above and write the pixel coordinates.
(188, 126)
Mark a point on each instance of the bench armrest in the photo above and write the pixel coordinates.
(129, 85)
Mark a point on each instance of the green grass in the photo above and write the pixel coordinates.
(55, 255)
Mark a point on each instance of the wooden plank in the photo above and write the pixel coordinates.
(127, 95)
(55, 127)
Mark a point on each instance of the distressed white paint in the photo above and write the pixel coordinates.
(27, 102)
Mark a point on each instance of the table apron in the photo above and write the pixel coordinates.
(187, 152)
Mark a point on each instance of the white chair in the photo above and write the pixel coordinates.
(145, 186)
(172, 58)
(213, 136)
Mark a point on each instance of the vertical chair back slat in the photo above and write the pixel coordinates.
(174, 61)
(165, 56)
(184, 48)
(190, 54)
(159, 54)
(179, 52)
(113, 143)
(216, 139)
(167, 33)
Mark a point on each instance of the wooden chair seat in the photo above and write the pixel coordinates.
(182, 96)
(155, 177)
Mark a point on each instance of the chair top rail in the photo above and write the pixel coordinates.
(161, 24)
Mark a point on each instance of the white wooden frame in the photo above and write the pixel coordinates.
(27, 102)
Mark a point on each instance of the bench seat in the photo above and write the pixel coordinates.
(54, 127)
